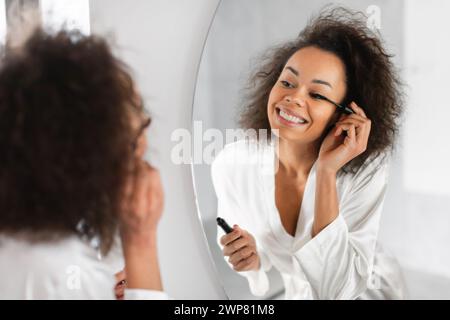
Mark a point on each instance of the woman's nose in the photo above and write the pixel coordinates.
(299, 97)
(297, 100)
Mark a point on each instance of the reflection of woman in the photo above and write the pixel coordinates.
(71, 173)
(316, 217)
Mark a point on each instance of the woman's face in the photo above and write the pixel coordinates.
(139, 123)
(141, 142)
(292, 110)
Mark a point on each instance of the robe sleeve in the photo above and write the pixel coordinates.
(141, 294)
(229, 209)
(338, 262)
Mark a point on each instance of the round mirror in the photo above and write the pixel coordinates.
(387, 237)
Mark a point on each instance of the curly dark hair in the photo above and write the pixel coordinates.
(372, 81)
(65, 137)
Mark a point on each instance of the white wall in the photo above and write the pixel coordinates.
(162, 42)
(2, 21)
(66, 13)
(418, 220)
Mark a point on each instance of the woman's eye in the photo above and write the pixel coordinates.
(315, 96)
(286, 84)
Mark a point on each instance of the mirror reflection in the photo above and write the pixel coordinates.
(316, 161)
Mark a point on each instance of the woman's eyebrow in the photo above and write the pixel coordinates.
(322, 82)
(313, 81)
(292, 70)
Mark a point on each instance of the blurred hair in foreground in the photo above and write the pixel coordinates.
(65, 133)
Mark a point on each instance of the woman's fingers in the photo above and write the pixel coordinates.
(119, 291)
(356, 139)
(351, 137)
(234, 246)
(358, 119)
(350, 128)
(155, 192)
(360, 123)
(354, 123)
(340, 128)
(236, 240)
(247, 264)
(230, 237)
(240, 247)
(141, 189)
(362, 133)
(241, 254)
(346, 127)
(354, 117)
(139, 178)
(121, 284)
(143, 199)
(357, 109)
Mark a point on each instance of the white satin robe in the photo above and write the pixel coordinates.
(68, 269)
(338, 263)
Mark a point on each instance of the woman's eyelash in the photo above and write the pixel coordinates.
(286, 84)
(316, 96)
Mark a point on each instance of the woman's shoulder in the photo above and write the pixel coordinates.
(239, 162)
(64, 268)
(241, 154)
(378, 164)
(373, 172)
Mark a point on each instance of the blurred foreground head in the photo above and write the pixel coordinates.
(67, 126)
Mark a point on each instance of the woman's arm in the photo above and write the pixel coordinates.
(141, 262)
(338, 260)
(326, 200)
(335, 152)
(143, 204)
(239, 248)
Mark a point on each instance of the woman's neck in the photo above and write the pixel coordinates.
(296, 159)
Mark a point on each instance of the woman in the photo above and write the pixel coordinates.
(310, 204)
(72, 174)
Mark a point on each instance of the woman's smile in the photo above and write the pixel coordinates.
(289, 118)
(292, 108)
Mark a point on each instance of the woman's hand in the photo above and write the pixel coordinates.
(121, 283)
(240, 247)
(142, 208)
(337, 150)
(143, 203)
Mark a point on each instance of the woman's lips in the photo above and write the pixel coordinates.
(290, 119)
